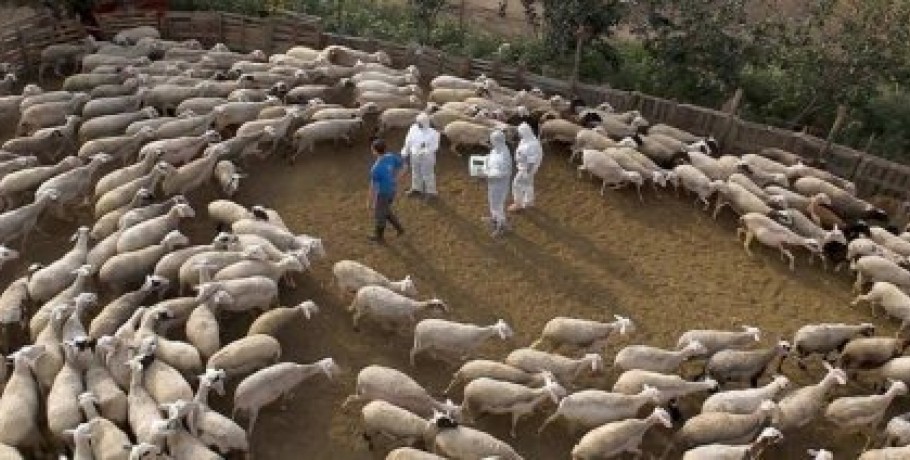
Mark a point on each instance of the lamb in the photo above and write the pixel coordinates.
(744, 401)
(738, 366)
(485, 395)
(49, 114)
(247, 293)
(566, 370)
(48, 281)
(393, 386)
(128, 268)
(801, 406)
(278, 380)
(148, 232)
(307, 136)
(228, 177)
(655, 359)
(19, 405)
(618, 437)
(604, 167)
(767, 437)
(454, 341)
(863, 413)
(446, 437)
(672, 387)
(388, 307)
(271, 322)
(773, 234)
(351, 276)
(113, 125)
(697, 182)
(246, 355)
(715, 341)
(877, 268)
(588, 409)
(22, 220)
(724, 428)
(823, 339)
(890, 298)
(586, 335)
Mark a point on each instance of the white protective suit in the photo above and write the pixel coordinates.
(528, 156)
(420, 145)
(499, 174)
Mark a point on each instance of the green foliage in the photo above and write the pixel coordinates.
(562, 19)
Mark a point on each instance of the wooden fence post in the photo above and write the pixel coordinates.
(23, 50)
(221, 27)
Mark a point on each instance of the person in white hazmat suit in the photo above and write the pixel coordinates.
(528, 156)
(498, 173)
(420, 146)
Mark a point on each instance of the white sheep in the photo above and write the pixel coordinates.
(49, 114)
(199, 105)
(715, 340)
(877, 268)
(454, 341)
(228, 177)
(307, 136)
(588, 409)
(393, 386)
(695, 181)
(388, 307)
(391, 422)
(106, 392)
(180, 150)
(656, 359)
(583, 334)
(63, 411)
(745, 401)
(74, 187)
(566, 370)
(485, 395)
(897, 431)
(803, 405)
(108, 441)
(890, 241)
(774, 235)
(618, 437)
(127, 269)
(351, 276)
(202, 327)
(604, 167)
(396, 118)
(672, 387)
(113, 125)
(277, 381)
(254, 292)
(19, 406)
(767, 437)
(739, 199)
(825, 338)
(281, 270)
(894, 301)
(147, 233)
(461, 134)
(48, 281)
(863, 413)
(177, 354)
(246, 355)
(446, 437)
(14, 185)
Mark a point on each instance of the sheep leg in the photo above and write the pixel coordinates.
(789, 256)
(748, 242)
(640, 198)
(603, 188)
(254, 412)
(416, 349)
(357, 316)
(548, 421)
(858, 285)
(720, 204)
(452, 384)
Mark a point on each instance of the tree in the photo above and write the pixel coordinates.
(425, 14)
(563, 18)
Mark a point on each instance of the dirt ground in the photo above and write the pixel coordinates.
(663, 263)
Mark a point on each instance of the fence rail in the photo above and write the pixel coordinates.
(22, 41)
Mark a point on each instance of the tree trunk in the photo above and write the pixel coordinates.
(578, 44)
(838, 122)
(732, 104)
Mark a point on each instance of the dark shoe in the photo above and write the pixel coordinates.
(377, 236)
(411, 193)
(400, 231)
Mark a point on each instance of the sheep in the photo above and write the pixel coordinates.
(342, 113)
(227, 177)
(199, 105)
(73, 329)
(214, 259)
(120, 309)
(113, 125)
(143, 410)
(364, 66)
(168, 267)
(825, 338)
(145, 213)
(148, 232)
(122, 176)
(18, 164)
(385, 101)
(395, 118)
(124, 148)
(876, 268)
(13, 303)
(236, 113)
(618, 437)
(112, 105)
(897, 431)
(885, 453)
(581, 334)
(193, 174)
(801, 406)
(744, 401)
(56, 56)
(166, 97)
(108, 441)
(589, 139)
(63, 411)
(391, 422)
(226, 212)
(50, 338)
(452, 82)
(846, 204)
(136, 35)
(862, 246)
(724, 428)
(559, 130)
(6, 84)
(15, 184)
(388, 307)
(863, 413)
(7, 255)
(351, 276)
(870, 352)
(770, 233)
(454, 341)
(164, 383)
(495, 370)
(278, 380)
(738, 365)
(209, 426)
(202, 328)
(566, 370)
(79, 285)
(656, 359)
(129, 267)
(48, 281)
(819, 210)
(307, 136)
(282, 269)
(397, 80)
(715, 340)
(485, 395)
(588, 409)
(376, 86)
(22, 220)
(445, 436)
(672, 387)
(739, 199)
(75, 185)
(462, 134)
(276, 129)
(278, 235)
(177, 354)
(49, 143)
(248, 293)
(271, 322)
(604, 167)
(376, 382)
(890, 298)
(694, 180)
(49, 114)
(246, 355)
(153, 124)
(129, 86)
(180, 150)
(342, 55)
(108, 223)
(20, 402)
(336, 93)
(890, 241)
(767, 437)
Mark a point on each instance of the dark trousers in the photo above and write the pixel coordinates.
(384, 213)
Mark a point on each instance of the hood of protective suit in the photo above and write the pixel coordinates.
(526, 133)
(423, 120)
(498, 141)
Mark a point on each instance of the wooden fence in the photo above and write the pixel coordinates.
(22, 41)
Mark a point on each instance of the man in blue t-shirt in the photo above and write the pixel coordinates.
(383, 176)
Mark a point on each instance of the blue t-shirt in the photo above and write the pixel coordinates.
(384, 172)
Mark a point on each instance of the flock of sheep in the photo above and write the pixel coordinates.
(148, 121)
